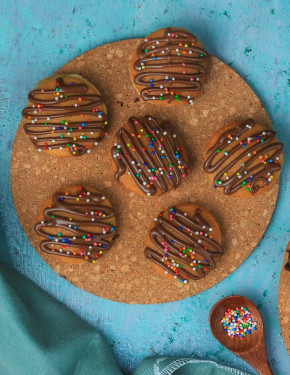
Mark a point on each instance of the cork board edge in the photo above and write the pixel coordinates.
(283, 301)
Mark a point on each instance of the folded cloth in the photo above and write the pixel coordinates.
(41, 336)
(182, 366)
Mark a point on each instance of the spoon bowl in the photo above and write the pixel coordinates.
(250, 348)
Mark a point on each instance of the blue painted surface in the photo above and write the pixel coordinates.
(38, 37)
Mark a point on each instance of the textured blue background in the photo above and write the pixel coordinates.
(38, 37)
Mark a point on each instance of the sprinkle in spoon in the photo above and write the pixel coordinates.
(252, 347)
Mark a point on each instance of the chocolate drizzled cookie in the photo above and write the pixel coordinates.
(151, 154)
(184, 242)
(169, 67)
(244, 158)
(67, 116)
(78, 223)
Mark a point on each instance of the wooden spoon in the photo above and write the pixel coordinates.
(252, 347)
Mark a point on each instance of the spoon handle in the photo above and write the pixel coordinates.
(257, 358)
(263, 369)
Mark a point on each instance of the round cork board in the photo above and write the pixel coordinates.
(283, 301)
(124, 274)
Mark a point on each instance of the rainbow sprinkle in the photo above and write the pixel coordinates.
(238, 322)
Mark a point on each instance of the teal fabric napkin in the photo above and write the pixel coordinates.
(41, 336)
(182, 366)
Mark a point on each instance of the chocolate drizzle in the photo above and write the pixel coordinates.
(184, 244)
(151, 154)
(47, 132)
(260, 152)
(76, 215)
(171, 66)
